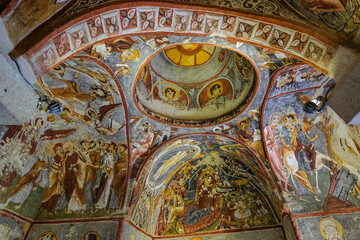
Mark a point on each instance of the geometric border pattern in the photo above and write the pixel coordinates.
(145, 20)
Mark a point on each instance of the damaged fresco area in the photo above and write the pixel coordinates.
(95, 230)
(271, 234)
(336, 226)
(342, 17)
(103, 157)
(131, 233)
(122, 55)
(27, 15)
(203, 183)
(73, 164)
(12, 228)
(313, 156)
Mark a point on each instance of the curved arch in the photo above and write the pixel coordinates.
(264, 32)
(303, 147)
(149, 158)
(190, 160)
(114, 105)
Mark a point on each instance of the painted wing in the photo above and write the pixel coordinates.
(228, 90)
(107, 109)
(303, 98)
(203, 97)
(155, 94)
(184, 98)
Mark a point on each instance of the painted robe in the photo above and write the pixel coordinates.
(74, 182)
(56, 184)
(145, 145)
(106, 181)
(274, 153)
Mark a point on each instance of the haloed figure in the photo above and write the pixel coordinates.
(56, 180)
(217, 97)
(171, 96)
(74, 179)
(144, 145)
(271, 139)
(331, 229)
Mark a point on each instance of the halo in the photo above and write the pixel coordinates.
(135, 54)
(290, 114)
(91, 232)
(274, 114)
(211, 85)
(333, 220)
(66, 143)
(177, 93)
(47, 233)
(241, 120)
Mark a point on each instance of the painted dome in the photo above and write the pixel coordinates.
(189, 55)
(195, 85)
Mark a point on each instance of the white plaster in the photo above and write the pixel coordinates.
(17, 99)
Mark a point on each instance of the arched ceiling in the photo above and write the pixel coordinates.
(304, 149)
(142, 131)
(188, 183)
(278, 26)
(327, 16)
(99, 90)
(312, 48)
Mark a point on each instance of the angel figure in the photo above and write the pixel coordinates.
(216, 94)
(172, 96)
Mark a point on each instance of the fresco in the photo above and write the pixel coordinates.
(185, 176)
(298, 77)
(268, 7)
(271, 233)
(165, 124)
(216, 27)
(69, 176)
(11, 227)
(131, 233)
(88, 94)
(203, 183)
(144, 139)
(181, 95)
(336, 226)
(339, 16)
(75, 162)
(95, 230)
(172, 95)
(28, 15)
(248, 131)
(313, 162)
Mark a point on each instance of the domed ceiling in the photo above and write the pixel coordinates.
(183, 123)
(195, 85)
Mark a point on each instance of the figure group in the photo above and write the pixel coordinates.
(295, 152)
(87, 175)
(199, 197)
(92, 103)
(141, 148)
(249, 132)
